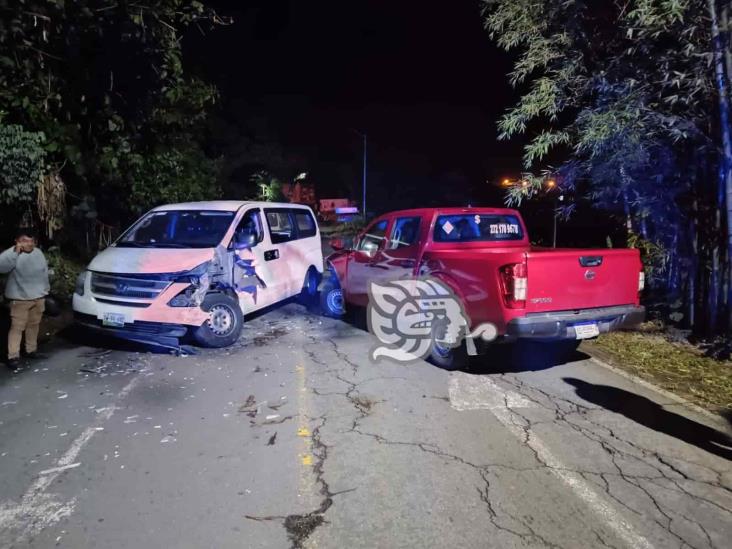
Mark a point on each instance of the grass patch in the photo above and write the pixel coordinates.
(676, 367)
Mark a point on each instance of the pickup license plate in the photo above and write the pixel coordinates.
(113, 319)
(586, 331)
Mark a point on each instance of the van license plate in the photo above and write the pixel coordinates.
(113, 319)
(586, 331)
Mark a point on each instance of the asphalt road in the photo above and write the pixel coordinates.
(294, 438)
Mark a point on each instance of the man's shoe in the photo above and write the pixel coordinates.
(13, 363)
(35, 355)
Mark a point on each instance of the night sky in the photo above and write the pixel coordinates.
(422, 79)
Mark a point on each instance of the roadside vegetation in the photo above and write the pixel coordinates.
(675, 365)
(626, 106)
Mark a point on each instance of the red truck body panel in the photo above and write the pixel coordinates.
(557, 274)
(562, 281)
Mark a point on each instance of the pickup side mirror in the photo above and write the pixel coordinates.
(337, 244)
(369, 247)
(244, 241)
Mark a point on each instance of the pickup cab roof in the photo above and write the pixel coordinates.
(430, 216)
(453, 211)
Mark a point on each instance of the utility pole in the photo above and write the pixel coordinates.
(554, 238)
(557, 200)
(363, 135)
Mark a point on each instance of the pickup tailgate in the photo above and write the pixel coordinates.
(563, 280)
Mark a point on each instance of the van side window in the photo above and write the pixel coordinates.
(251, 223)
(373, 237)
(305, 223)
(280, 224)
(405, 232)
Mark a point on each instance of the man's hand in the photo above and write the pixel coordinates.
(18, 248)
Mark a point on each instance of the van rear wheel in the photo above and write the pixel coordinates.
(225, 325)
(309, 293)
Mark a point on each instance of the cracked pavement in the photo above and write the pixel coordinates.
(293, 438)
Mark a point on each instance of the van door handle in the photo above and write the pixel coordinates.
(270, 255)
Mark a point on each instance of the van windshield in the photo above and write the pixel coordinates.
(178, 229)
(477, 228)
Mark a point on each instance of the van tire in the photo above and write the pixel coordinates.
(332, 302)
(309, 292)
(225, 325)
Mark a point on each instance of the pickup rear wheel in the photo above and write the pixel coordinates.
(448, 358)
(225, 324)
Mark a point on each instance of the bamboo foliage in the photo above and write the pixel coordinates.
(630, 102)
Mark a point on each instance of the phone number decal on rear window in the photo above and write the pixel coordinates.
(504, 228)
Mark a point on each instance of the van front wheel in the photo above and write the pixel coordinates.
(225, 324)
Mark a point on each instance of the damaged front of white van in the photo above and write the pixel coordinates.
(196, 269)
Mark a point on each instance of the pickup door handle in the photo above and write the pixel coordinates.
(270, 255)
(590, 260)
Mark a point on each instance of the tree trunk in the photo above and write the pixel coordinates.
(726, 32)
(722, 83)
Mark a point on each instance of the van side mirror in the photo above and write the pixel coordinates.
(337, 244)
(244, 241)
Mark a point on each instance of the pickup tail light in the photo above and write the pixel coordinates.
(641, 281)
(514, 281)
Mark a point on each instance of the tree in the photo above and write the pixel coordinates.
(22, 158)
(269, 187)
(105, 82)
(619, 96)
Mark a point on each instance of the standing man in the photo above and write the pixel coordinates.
(26, 288)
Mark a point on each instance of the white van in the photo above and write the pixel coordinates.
(197, 268)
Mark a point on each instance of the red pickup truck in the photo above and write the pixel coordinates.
(484, 256)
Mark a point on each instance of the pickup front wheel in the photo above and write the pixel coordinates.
(332, 302)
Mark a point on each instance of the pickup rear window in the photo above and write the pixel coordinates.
(477, 228)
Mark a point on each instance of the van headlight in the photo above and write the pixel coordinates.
(194, 275)
(199, 283)
(80, 283)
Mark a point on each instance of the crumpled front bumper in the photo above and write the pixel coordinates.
(153, 333)
(560, 325)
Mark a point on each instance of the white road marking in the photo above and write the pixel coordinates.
(472, 392)
(37, 508)
(59, 469)
(469, 392)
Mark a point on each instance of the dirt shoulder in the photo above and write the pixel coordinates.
(674, 366)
